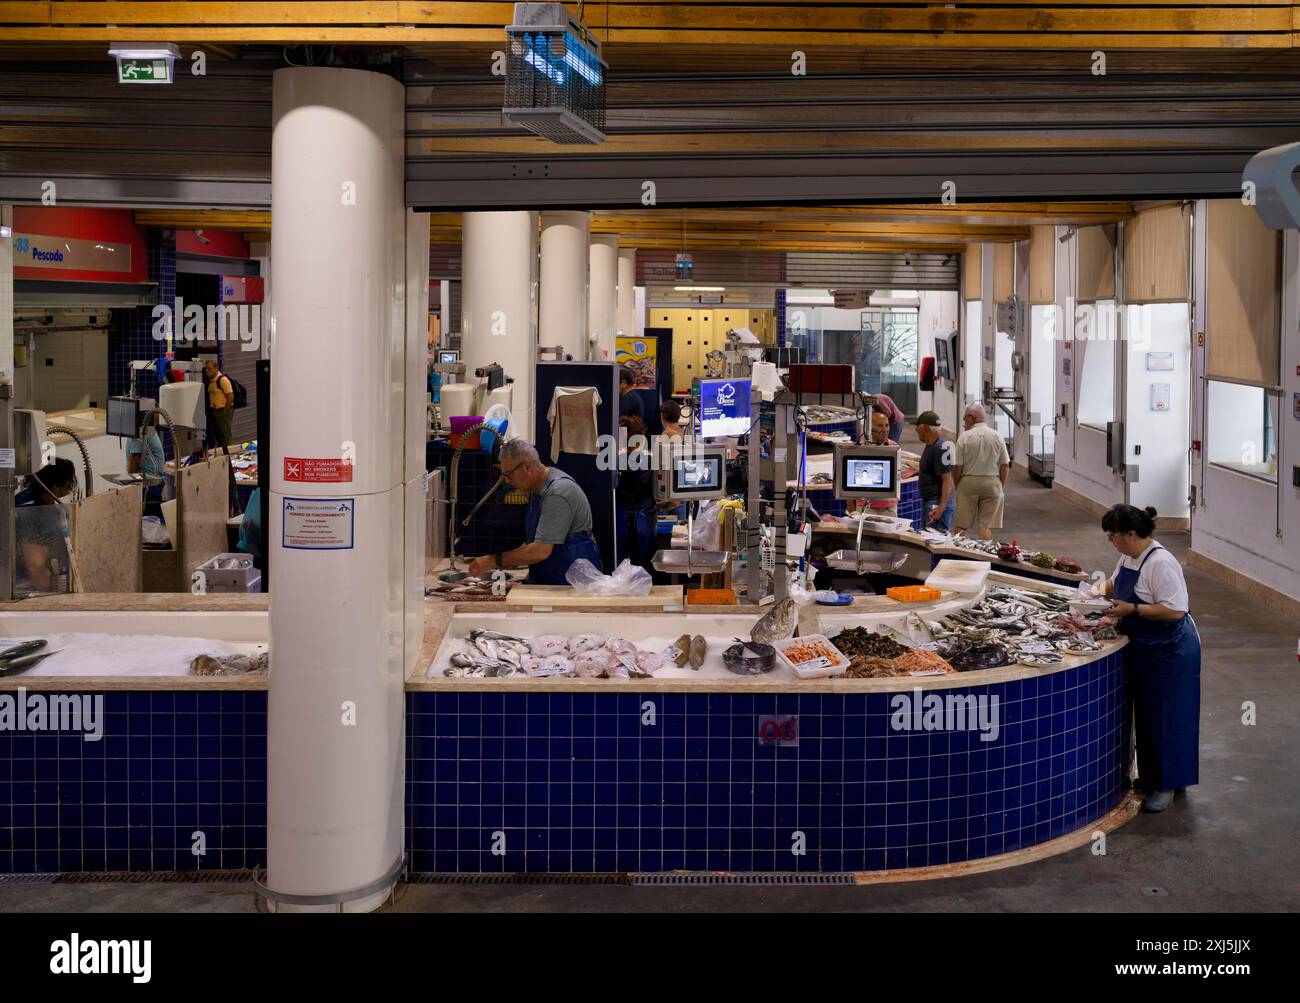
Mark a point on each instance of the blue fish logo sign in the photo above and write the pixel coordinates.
(726, 395)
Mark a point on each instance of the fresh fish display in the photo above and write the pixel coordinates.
(861, 641)
(749, 659)
(682, 647)
(698, 649)
(648, 662)
(493, 635)
(620, 646)
(552, 665)
(586, 642)
(590, 664)
(23, 648)
(1016, 625)
(549, 644)
(21, 663)
(229, 665)
(777, 624)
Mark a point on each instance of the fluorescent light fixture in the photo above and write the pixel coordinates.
(699, 289)
(6, 232)
(144, 62)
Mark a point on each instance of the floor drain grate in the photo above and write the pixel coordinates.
(742, 879)
(216, 876)
(28, 879)
(518, 879)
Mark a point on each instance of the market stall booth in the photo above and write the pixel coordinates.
(709, 768)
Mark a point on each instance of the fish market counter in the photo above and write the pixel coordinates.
(925, 551)
(889, 778)
(687, 769)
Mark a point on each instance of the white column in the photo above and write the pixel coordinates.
(498, 252)
(335, 747)
(562, 295)
(7, 300)
(627, 292)
(603, 294)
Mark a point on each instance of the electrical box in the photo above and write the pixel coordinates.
(29, 433)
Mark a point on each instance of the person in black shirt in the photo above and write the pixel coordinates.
(629, 403)
(938, 496)
(634, 515)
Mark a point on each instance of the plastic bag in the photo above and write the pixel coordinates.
(627, 580)
(706, 533)
(154, 532)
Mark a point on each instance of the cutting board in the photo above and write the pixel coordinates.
(557, 596)
(958, 576)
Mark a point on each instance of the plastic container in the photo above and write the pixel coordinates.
(242, 579)
(913, 593)
(711, 597)
(832, 663)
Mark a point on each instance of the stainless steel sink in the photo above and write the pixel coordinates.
(865, 561)
(694, 562)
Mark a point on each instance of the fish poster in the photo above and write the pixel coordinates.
(641, 356)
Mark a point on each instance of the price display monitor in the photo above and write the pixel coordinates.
(694, 475)
(869, 472)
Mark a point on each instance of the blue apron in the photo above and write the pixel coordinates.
(1164, 663)
(552, 570)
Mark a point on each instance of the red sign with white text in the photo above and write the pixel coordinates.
(318, 470)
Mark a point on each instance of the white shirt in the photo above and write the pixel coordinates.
(1160, 580)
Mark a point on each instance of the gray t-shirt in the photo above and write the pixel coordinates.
(564, 509)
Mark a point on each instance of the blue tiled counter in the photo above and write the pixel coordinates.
(595, 781)
(169, 764)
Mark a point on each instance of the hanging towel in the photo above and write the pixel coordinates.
(572, 417)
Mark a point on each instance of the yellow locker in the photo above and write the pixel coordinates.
(710, 337)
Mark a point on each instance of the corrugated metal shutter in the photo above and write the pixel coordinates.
(202, 141)
(870, 270)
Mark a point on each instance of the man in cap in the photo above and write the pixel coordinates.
(938, 496)
(980, 472)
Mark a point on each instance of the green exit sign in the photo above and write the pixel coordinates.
(144, 71)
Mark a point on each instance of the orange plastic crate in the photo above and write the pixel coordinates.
(711, 597)
(913, 593)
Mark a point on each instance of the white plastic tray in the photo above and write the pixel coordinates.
(815, 671)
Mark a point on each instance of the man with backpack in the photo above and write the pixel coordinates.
(221, 403)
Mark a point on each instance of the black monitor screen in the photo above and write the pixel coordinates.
(123, 417)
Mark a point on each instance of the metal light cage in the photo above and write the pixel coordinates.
(555, 78)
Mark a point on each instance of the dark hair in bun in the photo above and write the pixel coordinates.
(1130, 519)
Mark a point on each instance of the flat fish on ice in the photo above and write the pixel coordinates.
(586, 642)
(549, 644)
(229, 665)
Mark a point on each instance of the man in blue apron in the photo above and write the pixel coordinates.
(557, 527)
(1149, 597)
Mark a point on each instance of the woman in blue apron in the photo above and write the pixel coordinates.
(1149, 596)
(557, 525)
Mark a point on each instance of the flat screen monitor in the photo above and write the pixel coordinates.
(942, 366)
(699, 473)
(724, 408)
(123, 417)
(448, 357)
(698, 476)
(866, 472)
